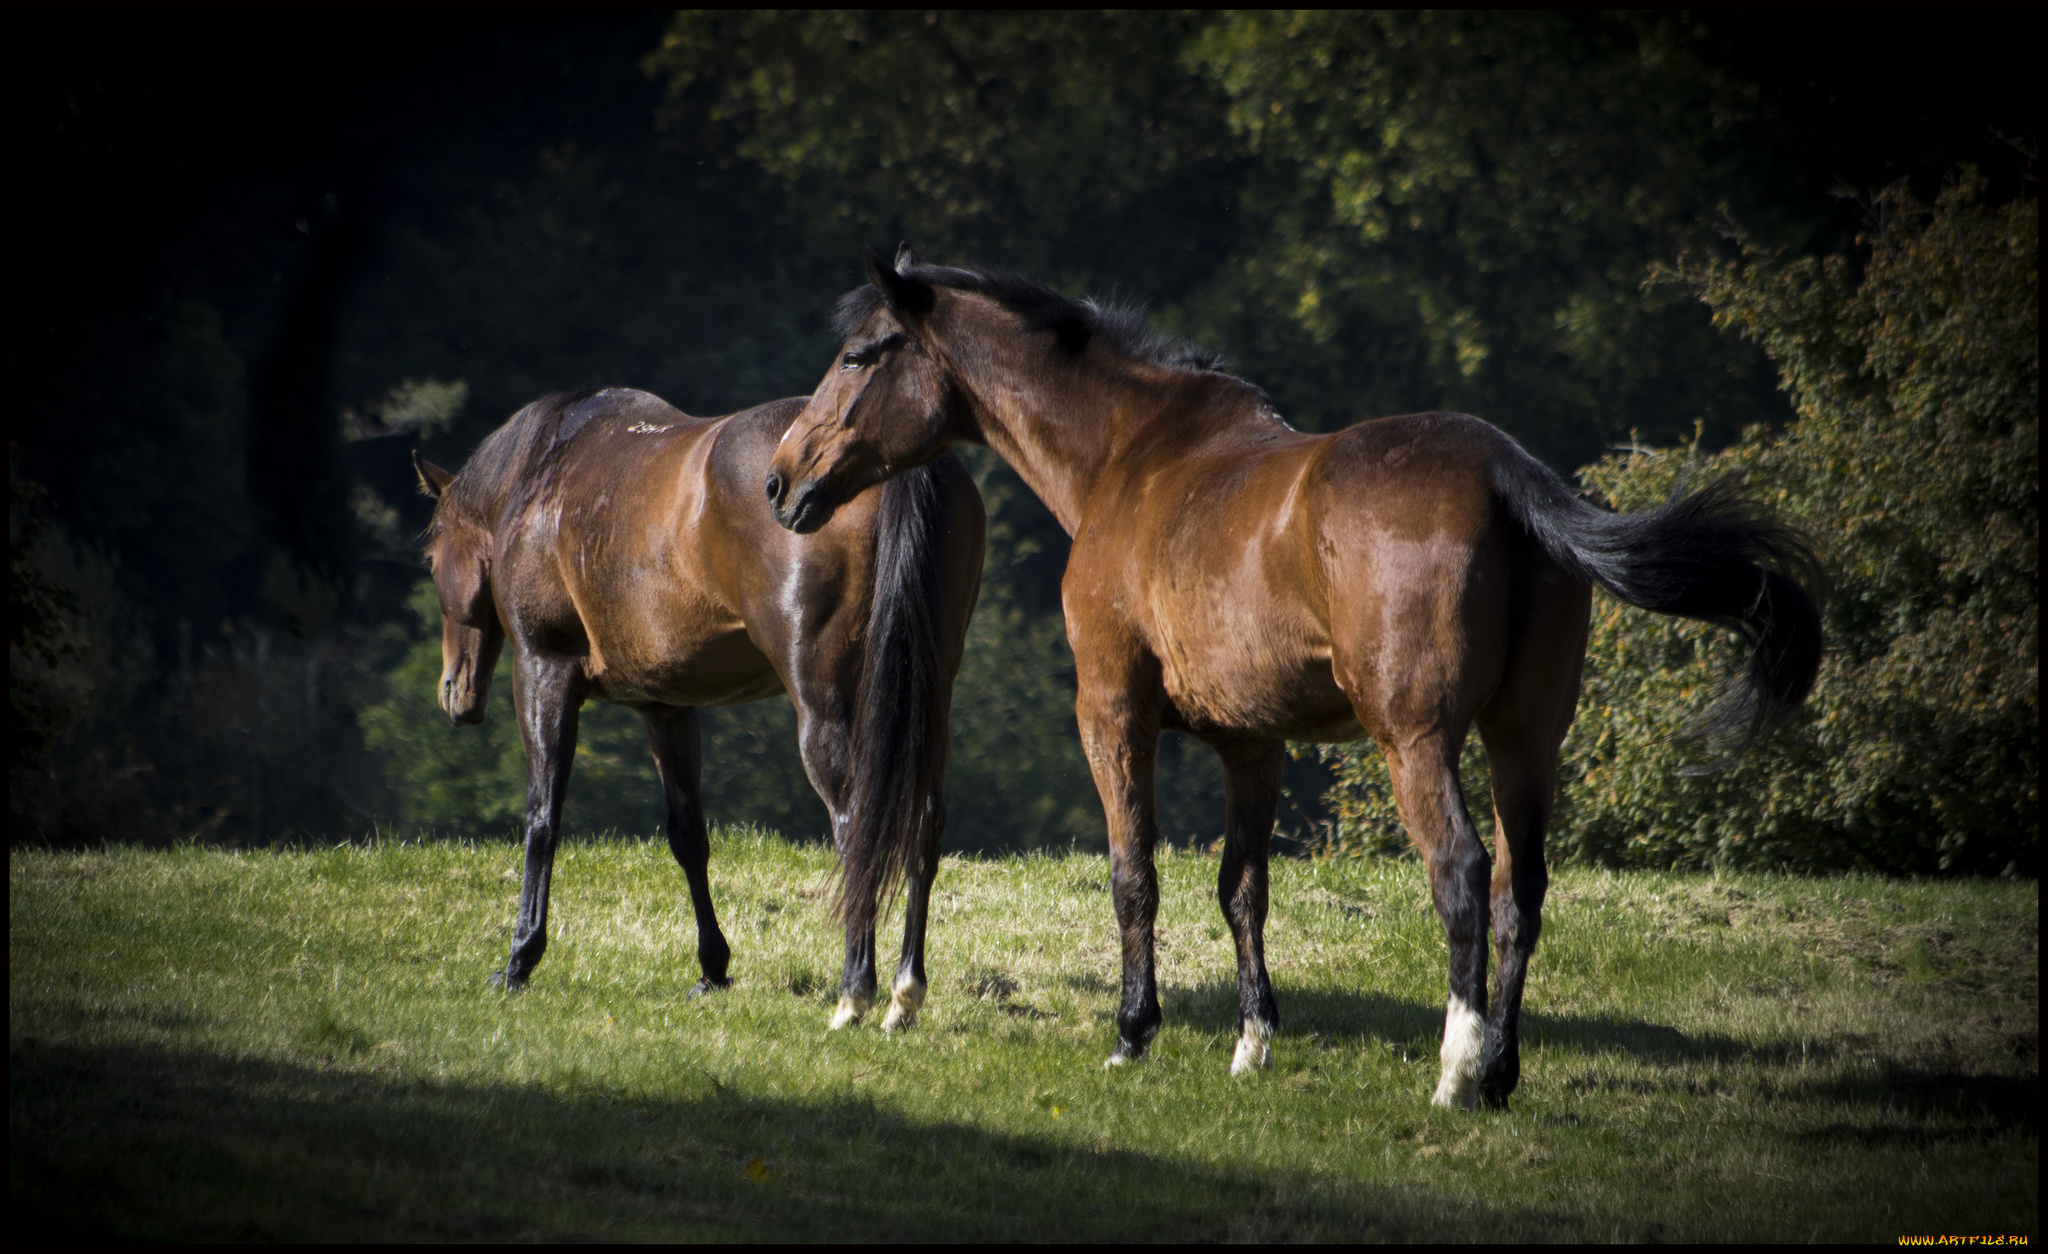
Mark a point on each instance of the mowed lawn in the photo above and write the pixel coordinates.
(300, 1045)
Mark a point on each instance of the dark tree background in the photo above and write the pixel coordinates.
(255, 259)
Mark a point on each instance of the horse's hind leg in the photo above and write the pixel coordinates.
(856, 980)
(674, 736)
(906, 996)
(1251, 797)
(825, 739)
(546, 695)
(1432, 808)
(1523, 726)
(1524, 775)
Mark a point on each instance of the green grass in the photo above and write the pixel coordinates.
(208, 1044)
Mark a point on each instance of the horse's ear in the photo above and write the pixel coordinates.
(904, 257)
(433, 480)
(903, 296)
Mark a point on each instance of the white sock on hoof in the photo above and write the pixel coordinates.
(1464, 1041)
(1254, 1047)
(851, 1010)
(904, 1003)
(1124, 1053)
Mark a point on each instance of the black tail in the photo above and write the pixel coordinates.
(1712, 556)
(895, 803)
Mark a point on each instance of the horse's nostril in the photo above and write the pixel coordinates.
(774, 486)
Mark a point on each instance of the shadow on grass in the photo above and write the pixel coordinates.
(1921, 1107)
(1335, 1014)
(1977, 1103)
(125, 1142)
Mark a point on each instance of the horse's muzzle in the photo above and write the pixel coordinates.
(463, 710)
(802, 511)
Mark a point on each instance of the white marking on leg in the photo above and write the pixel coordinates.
(1254, 1047)
(851, 1010)
(1464, 1041)
(904, 1003)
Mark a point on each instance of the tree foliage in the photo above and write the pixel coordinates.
(1031, 139)
(1458, 210)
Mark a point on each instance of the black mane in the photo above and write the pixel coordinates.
(1119, 328)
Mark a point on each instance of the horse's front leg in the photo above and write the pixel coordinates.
(1251, 798)
(547, 696)
(907, 994)
(1119, 718)
(676, 740)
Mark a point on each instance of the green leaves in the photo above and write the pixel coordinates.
(1469, 203)
(978, 135)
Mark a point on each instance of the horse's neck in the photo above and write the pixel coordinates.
(1062, 435)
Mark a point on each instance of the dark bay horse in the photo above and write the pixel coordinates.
(623, 548)
(1249, 584)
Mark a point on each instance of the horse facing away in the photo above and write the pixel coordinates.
(623, 548)
(1249, 584)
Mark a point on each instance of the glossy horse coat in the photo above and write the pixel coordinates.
(1250, 584)
(625, 551)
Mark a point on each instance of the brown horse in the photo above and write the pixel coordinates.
(1249, 584)
(623, 548)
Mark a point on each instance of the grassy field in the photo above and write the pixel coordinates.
(216, 1045)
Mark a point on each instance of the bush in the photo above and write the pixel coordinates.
(1914, 459)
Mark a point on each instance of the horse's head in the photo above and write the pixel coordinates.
(887, 404)
(459, 552)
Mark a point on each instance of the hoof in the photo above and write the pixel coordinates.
(1254, 1048)
(506, 981)
(1125, 1053)
(707, 985)
(904, 1003)
(850, 1011)
(1450, 1096)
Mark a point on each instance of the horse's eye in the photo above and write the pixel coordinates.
(852, 361)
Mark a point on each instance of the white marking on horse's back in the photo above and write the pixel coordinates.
(643, 427)
(1464, 1042)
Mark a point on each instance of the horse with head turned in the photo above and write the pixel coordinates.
(1250, 584)
(625, 552)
